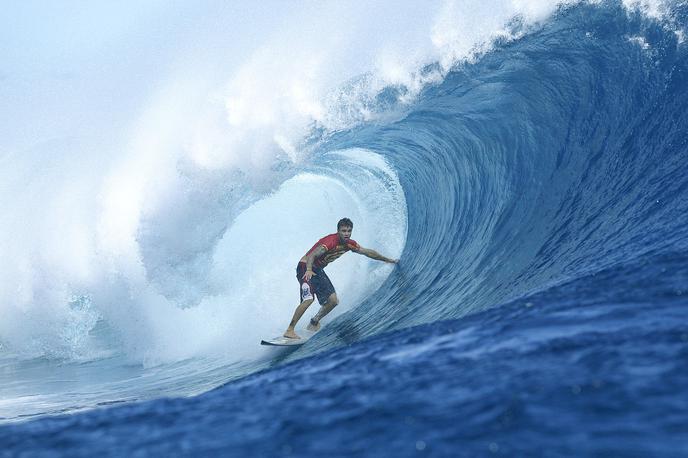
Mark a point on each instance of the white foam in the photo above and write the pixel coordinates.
(251, 291)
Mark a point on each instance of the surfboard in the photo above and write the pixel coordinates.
(282, 341)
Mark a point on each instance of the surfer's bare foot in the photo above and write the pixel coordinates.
(313, 325)
(290, 334)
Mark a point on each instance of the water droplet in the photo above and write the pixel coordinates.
(420, 445)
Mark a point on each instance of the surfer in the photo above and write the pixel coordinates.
(313, 279)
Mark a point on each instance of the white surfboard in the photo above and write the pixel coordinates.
(282, 341)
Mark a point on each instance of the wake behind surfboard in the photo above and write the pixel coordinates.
(282, 341)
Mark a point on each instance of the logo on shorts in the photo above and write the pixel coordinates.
(306, 292)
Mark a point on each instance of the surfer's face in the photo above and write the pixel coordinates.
(344, 233)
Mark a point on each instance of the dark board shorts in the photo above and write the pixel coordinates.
(319, 284)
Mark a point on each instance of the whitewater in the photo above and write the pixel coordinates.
(163, 170)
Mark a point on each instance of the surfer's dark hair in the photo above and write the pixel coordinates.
(345, 222)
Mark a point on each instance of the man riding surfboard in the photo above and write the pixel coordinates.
(313, 279)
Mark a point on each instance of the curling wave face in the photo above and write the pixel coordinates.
(548, 160)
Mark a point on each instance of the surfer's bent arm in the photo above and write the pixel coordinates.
(372, 254)
(311, 258)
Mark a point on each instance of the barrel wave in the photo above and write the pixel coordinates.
(550, 159)
(537, 194)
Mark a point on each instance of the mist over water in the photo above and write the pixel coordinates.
(121, 222)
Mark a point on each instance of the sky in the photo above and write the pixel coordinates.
(77, 68)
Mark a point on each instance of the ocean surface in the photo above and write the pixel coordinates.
(536, 194)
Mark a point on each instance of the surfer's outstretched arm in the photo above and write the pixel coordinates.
(372, 254)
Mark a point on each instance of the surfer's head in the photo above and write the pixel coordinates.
(344, 228)
(345, 222)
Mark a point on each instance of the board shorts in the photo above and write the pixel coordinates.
(319, 284)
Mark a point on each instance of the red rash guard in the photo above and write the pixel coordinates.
(335, 248)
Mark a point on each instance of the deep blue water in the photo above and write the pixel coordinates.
(583, 369)
(539, 308)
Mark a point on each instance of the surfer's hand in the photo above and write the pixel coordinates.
(307, 276)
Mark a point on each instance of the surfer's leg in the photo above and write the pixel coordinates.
(306, 297)
(331, 303)
(298, 313)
